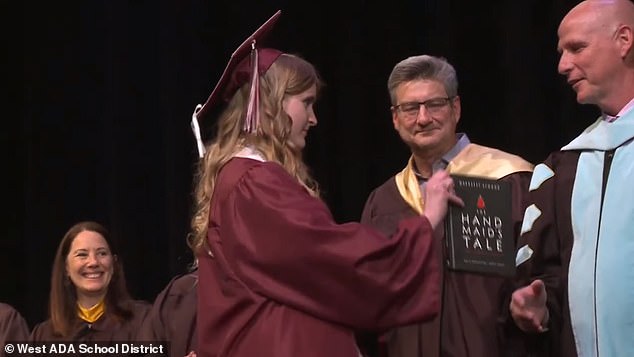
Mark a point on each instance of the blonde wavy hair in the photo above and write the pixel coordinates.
(288, 75)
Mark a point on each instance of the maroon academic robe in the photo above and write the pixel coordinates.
(13, 327)
(283, 279)
(474, 318)
(173, 316)
(106, 329)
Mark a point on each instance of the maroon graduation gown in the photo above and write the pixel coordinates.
(474, 318)
(286, 280)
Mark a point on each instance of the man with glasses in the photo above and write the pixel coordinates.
(474, 308)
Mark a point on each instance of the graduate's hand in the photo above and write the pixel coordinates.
(528, 307)
(439, 192)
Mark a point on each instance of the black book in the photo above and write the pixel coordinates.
(479, 236)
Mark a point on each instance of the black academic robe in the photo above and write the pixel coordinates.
(107, 329)
(474, 318)
(13, 327)
(173, 316)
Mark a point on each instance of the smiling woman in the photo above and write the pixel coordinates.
(89, 300)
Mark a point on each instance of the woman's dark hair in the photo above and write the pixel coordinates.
(63, 296)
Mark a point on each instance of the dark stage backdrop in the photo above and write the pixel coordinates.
(109, 88)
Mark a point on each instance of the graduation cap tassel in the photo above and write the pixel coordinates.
(252, 115)
(196, 130)
(246, 64)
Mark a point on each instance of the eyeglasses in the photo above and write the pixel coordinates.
(433, 106)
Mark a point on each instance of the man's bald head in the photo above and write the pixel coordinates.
(602, 14)
(596, 42)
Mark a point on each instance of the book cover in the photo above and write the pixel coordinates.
(479, 236)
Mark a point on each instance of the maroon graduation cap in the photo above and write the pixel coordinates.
(247, 64)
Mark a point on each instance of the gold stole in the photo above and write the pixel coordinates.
(473, 160)
(91, 314)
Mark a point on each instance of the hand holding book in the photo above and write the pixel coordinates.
(479, 234)
(439, 193)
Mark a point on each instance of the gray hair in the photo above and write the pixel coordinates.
(423, 67)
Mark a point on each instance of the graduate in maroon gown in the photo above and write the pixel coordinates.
(89, 300)
(277, 275)
(13, 327)
(173, 316)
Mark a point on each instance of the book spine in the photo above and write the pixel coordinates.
(449, 241)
